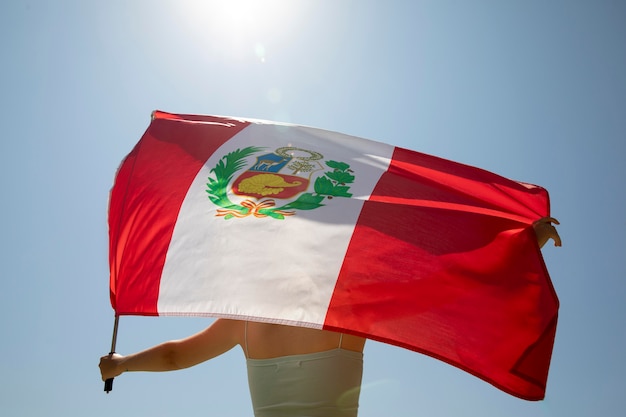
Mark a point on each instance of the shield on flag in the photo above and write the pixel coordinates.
(343, 234)
(264, 178)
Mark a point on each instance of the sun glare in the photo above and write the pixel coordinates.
(233, 25)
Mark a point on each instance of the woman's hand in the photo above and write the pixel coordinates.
(544, 230)
(110, 366)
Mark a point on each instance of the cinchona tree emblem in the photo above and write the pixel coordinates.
(285, 174)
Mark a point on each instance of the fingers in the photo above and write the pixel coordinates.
(547, 220)
(555, 236)
(107, 366)
(103, 366)
(545, 230)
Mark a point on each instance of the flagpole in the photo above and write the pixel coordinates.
(108, 384)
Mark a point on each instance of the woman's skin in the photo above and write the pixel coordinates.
(264, 340)
(544, 230)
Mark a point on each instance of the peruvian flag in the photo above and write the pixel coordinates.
(255, 220)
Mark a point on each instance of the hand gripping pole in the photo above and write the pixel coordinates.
(108, 384)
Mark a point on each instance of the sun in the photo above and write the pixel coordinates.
(230, 25)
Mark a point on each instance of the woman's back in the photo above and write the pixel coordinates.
(264, 340)
(295, 372)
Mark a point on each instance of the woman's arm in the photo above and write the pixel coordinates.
(218, 338)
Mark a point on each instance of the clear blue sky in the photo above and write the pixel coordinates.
(532, 90)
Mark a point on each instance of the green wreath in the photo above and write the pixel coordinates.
(331, 184)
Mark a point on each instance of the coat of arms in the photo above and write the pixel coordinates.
(285, 174)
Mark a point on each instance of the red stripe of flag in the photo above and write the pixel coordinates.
(164, 162)
(468, 286)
